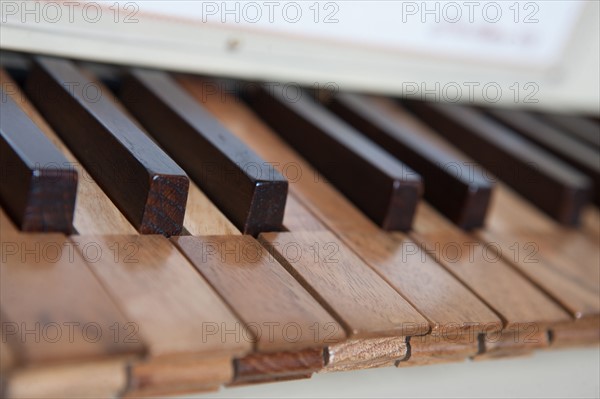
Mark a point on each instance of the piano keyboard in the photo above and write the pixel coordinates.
(164, 234)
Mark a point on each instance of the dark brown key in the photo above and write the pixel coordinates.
(38, 186)
(250, 192)
(453, 184)
(565, 147)
(386, 190)
(148, 187)
(585, 130)
(552, 185)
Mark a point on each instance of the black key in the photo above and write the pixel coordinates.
(38, 186)
(453, 184)
(148, 187)
(585, 130)
(250, 192)
(565, 147)
(552, 185)
(386, 190)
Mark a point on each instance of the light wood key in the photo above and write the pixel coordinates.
(181, 318)
(148, 187)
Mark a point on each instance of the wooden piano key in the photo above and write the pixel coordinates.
(58, 320)
(91, 201)
(98, 379)
(298, 218)
(591, 224)
(453, 184)
(147, 186)
(178, 314)
(364, 303)
(382, 251)
(553, 186)
(284, 322)
(516, 300)
(514, 342)
(203, 217)
(581, 156)
(585, 130)
(250, 192)
(580, 333)
(541, 250)
(38, 186)
(237, 267)
(435, 349)
(360, 354)
(386, 190)
(278, 366)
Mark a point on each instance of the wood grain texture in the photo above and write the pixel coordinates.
(35, 269)
(279, 366)
(559, 261)
(513, 297)
(105, 378)
(552, 185)
(386, 190)
(515, 342)
(453, 184)
(147, 186)
(169, 303)
(579, 155)
(179, 376)
(203, 217)
(449, 306)
(360, 354)
(298, 218)
(38, 186)
(361, 301)
(584, 332)
(251, 193)
(91, 201)
(280, 315)
(446, 304)
(585, 130)
(435, 349)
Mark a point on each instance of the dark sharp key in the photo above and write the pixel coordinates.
(250, 192)
(148, 187)
(565, 147)
(552, 185)
(585, 130)
(386, 190)
(38, 186)
(452, 183)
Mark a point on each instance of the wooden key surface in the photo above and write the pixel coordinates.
(552, 185)
(38, 185)
(453, 183)
(250, 192)
(180, 317)
(380, 250)
(383, 188)
(53, 308)
(91, 201)
(515, 299)
(148, 187)
(280, 315)
(364, 303)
